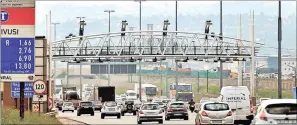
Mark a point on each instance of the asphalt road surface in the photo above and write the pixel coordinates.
(127, 119)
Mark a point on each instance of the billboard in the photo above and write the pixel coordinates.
(17, 40)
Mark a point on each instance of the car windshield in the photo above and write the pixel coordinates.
(150, 107)
(131, 94)
(284, 108)
(216, 107)
(165, 101)
(67, 104)
(111, 104)
(96, 102)
(86, 103)
(177, 105)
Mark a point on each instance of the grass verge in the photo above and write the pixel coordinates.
(11, 116)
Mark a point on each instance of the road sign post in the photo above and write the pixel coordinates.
(39, 87)
(22, 108)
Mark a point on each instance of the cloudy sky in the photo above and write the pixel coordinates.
(68, 10)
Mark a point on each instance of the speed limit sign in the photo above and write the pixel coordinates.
(39, 87)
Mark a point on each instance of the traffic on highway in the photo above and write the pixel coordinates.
(233, 106)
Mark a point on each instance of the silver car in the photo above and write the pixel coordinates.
(214, 113)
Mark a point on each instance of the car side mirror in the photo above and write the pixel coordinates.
(250, 117)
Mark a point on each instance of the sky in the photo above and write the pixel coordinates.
(149, 8)
(65, 11)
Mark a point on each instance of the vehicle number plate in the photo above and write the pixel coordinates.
(217, 122)
(111, 109)
(177, 114)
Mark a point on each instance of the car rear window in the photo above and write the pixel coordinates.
(150, 107)
(165, 101)
(68, 104)
(86, 103)
(160, 103)
(111, 104)
(285, 108)
(177, 105)
(216, 107)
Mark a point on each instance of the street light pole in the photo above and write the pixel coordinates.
(221, 33)
(109, 11)
(55, 31)
(279, 51)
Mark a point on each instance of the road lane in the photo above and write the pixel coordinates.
(127, 119)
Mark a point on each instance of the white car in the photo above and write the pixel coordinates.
(110, 108)
(277, 111)
(67, 106)
(150, 112)
(161, 104)
(214, 113)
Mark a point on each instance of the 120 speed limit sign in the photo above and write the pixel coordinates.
(39, 87)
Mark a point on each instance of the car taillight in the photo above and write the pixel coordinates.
(185, 109)
(203, 113)
(169, 110)
(160, 112)
(229, 113)
(263, 116)
(141, 112)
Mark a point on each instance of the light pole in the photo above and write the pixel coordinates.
(55, 30)
(109, 11)
(221, 34)
(139, 12)
(279, 50)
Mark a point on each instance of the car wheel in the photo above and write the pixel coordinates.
(92, 114)
(134, 113)
(161, 122)
(62, 111)
(123, 114)
(102, 116)
(119, 116)
(72, 110)
(78, 114)
(186, 118)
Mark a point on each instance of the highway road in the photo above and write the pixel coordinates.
(127, 119)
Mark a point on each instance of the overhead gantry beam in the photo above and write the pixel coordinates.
(147, 44)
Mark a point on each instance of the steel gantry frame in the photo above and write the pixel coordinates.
(151, 44)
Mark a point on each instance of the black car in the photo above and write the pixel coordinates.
(176, 110)
(85, 107)
(59, 105)
(128, 107)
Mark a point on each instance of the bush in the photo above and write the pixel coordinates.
(12, 116)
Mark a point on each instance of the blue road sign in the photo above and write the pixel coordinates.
(295, 93)
(17, 55)
(15, 90)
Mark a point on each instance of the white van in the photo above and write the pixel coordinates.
(240, 102)
(131, 95)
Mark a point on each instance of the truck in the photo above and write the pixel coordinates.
(72, 96)
(148, 91)
(106, 93)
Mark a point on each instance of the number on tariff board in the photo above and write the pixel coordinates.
(39, 87)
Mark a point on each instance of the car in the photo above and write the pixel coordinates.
(128, 107)
(67, 106)
(240, 102)
(97, 105)
(110, 108)
(150, 112)
(165, 101)
(214, 113)
(85, 107)
(204, 99)
(59, 105)
(176, 110)
(277, 111)
(161, 104)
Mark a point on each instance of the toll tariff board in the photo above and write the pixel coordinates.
(17, 44)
